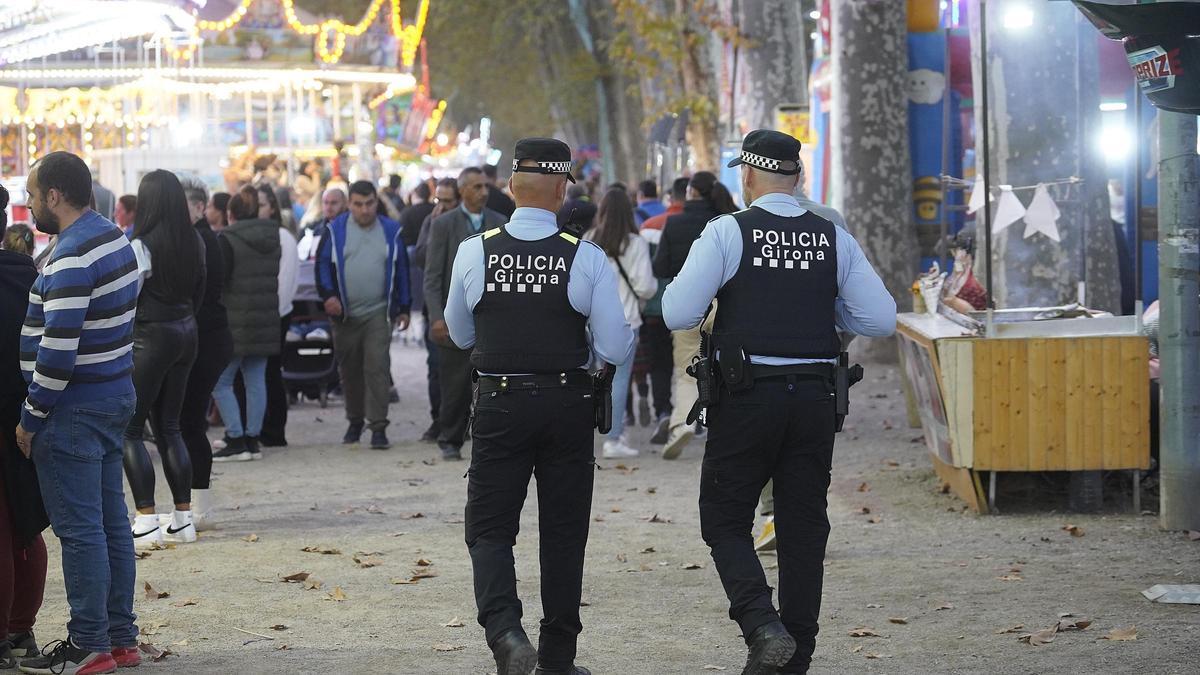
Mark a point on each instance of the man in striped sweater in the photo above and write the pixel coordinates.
(77, 356)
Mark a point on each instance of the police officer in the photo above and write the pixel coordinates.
(525, 296)
(785, 280)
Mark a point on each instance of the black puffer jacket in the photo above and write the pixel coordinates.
(17, 274)
(251, 249)
(679, 233)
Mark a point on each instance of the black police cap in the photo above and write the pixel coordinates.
(552, 157)
(770, 150)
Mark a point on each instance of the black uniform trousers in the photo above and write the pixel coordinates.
(275, 419)
(547, 434)
(782, 429)
(657, 338)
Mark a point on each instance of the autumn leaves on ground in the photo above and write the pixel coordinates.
(352, 560)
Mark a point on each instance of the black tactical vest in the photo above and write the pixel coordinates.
(781, 301)
(524, 322)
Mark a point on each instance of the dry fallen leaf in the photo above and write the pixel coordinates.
(250, 538)
(693, 566)
(153, 593)
(298, 576)
(153, 652)
(1011, 577)
(944, 605)
(1013, 629)
(375, 510)
(1075, 530)
(422, 562)
(645, 568)
(614, 510)
(279, 626)
(153, 628)
(1193, 535)
(875, 520)
(651, 490)
(186, 602)
(280, 648)
(648, 549)
(864, 510)
(864, 632)
(400, 581)
(364, 561)
(323, 550)
(337, 595)
(1121, 634)
(874, 606)
(423, 574)
(453, 623)
(413, 516)
(599, 519)
(856, 649)
(313, 584)
(1074, 624)
(657, 519)
(141, 555)
(621, 557)
(891, 462)
(443, 647)
(712, 667)
(902, 620)
(1041, 637)
(872, 655)
(864, 487)
(944, 488)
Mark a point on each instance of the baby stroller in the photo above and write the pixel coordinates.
(308, 364)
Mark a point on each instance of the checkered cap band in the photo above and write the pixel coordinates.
(550, 167)
(759, 161)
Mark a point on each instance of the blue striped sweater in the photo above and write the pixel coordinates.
(77, 342)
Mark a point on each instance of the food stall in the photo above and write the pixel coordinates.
(1030, 392)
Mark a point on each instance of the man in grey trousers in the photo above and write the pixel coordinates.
(446, 232)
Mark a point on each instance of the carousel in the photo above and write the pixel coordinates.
(210, 88)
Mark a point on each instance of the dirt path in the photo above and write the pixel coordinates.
(646, 611)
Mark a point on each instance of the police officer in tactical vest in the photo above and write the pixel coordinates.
(525, 296)
(785, 280)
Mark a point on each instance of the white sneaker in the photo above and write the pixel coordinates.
(146, 531)
(181, 530)
(202, 509)
(679, 437)
(618, 450)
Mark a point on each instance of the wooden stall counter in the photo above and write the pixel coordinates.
(1041, 402)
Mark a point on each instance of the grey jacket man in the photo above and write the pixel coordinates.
(446, 232)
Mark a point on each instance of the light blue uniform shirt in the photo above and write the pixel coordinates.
(591, 288)
(863, 305)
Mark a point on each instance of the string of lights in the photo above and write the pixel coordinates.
(330, 34)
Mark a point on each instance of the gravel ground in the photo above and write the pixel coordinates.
(936, 584)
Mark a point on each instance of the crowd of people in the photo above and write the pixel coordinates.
(188, 309)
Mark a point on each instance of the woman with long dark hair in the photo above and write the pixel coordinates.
(629, 256)
(275, 421)
(172, 267)
(217, 211)
(707, 198)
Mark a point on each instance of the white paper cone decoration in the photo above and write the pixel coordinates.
(1042, 215)
(1008, 211)
(976, 201)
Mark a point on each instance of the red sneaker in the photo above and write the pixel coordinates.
(127, 657)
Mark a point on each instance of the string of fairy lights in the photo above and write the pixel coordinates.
(330, 34)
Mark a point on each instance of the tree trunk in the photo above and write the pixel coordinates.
(1044, 120)
(700, 89)
(773, 70)
(870, 103)
(622, 143)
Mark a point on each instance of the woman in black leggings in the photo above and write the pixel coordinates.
(215, 348)
(171, 264)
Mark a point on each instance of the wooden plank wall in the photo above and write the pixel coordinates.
(1061, 404)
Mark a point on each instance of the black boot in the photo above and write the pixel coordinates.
(353, 433)
(770, 647)
(574, 670)
(514, 654)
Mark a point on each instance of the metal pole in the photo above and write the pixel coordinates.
(1179, 327)
(249, 112)
(944, 214)
(987, 164)
(1137, 197)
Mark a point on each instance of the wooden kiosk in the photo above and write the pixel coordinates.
(1053, 395)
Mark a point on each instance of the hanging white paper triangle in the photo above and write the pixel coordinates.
(1042, 215)
(1008, 211)
(976, 201)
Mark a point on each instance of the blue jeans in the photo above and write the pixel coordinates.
(78, 457)
(620, 393)
(254, 374)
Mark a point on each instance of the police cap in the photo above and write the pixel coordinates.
(552, 157)
(770, 150)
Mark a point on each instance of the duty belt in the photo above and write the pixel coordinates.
(819, 370)
(503, 383)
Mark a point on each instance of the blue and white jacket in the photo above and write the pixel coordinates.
(331, 260)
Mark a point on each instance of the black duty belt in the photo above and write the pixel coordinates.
(502, 383)
(818, 370)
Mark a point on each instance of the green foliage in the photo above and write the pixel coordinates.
(509, 61)
(349, 11)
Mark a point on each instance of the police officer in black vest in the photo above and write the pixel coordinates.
(525, 296)
(785, 280)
